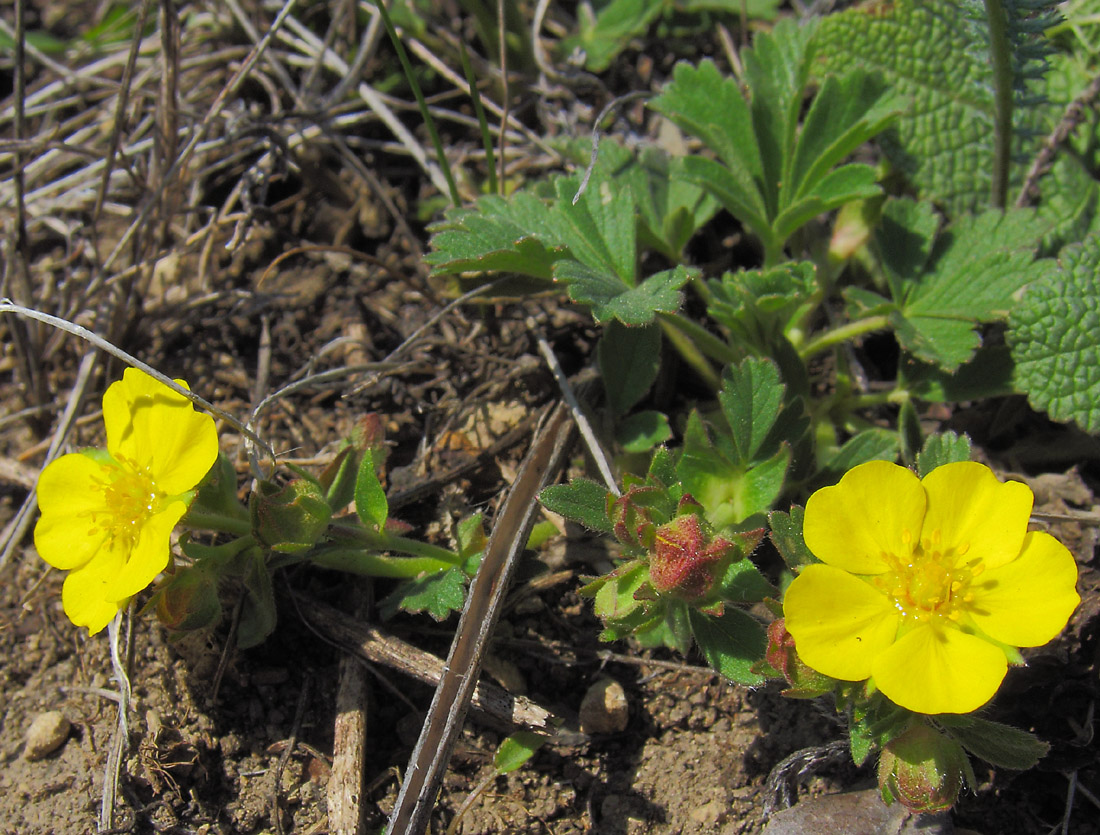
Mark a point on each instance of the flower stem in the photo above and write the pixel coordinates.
(843, 334)
(218, 523)
(358, 560)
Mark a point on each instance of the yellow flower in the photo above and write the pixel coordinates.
(927, 586)
(107, 514)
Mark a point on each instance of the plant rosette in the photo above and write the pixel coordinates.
(926, 587)
(107, 514)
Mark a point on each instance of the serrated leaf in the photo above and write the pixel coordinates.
(846, 112)
(997, 744)
(978, 265)
(942, 448)
(610, 298)
(1054, 336)
(731, 643)
(868, 445)
(628, 360)
(437, 594)
(605, 29)
(705, 104)
(844, 185)
(581, 500)
(929, 53)
(513, 235)
(787, 537)
(600, 228)
(751, 397)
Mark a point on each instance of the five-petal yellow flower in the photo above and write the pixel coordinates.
(926, 586)
(107, 515)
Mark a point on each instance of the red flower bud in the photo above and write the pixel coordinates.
(686, 560)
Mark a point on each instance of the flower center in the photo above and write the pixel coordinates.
(933, 583)
(130, 497)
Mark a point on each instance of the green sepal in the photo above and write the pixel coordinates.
(290, 519)
(786, 536)
(997, 744)
(582, 500)
(370, 499)
(942, 448)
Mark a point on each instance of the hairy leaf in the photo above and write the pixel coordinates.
(1054, 335)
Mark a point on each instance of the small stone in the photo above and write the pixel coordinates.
(604, 709)
(709, 814)
(46, 734)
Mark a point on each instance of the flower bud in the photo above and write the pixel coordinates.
(923, 769)
(289, 519)
(685, 560)
(630, 516)
(189, 600)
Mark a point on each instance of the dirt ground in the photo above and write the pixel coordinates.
(324, 270)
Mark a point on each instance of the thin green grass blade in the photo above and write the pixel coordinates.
(483, 123)
(429, 122)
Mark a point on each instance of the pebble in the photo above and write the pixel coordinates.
(604, 708)
(46, 734)
(855, 813)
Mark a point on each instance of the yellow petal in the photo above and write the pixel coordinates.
(839, 622)
(973, 509)
(940, 670)
(69, 492)
(876, 508)
(1028, 601)
(149, 556)
(159, 431)
(85, 595)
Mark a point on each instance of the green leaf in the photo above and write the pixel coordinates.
(610, 298)
(868, 445)
(581, 500)
(757, 305)
(731, 643)
(751, 398)
(902, 241)
(997, 744)
(516, 749)
(846, 112)
(742, 582)
(370, 499)
(771, 175)
(500, 235)
(642, 431)
(258, 611)
(437, 594)
(942, 448)
(470, 536)
(607, 27)
(787, 538)
(1054, 335)
(930, 53)
(628, 359)
(989, 373)
(978, 265)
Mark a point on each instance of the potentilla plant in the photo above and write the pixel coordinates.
(108, 516)
(912, 598)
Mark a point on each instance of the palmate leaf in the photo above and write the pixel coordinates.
(770, 174)
(975, 269)
(591, 246)
(1054, 335)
